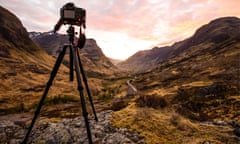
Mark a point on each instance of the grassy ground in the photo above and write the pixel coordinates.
(167, 126)
(162, 114)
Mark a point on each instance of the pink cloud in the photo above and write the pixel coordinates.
(143, 19)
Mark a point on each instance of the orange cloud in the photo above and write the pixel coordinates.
(156, 21)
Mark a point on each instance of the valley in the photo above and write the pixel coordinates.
(186, 93)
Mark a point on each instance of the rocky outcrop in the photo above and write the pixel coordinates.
(70, 131)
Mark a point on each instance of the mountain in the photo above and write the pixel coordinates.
(215, 32)
(200, 73)
(34, 34)
(189, 89)
(115, 61)
(13, 35)
(94, 60)
(146, 59)
(51, 42)
(23, 64)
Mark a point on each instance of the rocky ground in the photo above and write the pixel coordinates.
(69, 131)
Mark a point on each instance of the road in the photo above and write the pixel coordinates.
(132, 90)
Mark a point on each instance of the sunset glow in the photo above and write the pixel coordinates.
(123, 27)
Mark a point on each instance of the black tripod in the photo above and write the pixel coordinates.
(75, 61)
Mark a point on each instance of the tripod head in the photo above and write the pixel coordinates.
(81, 39)
(71, 32)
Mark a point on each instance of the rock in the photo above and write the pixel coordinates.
(70, 131)
(9, 132)
(116, 138)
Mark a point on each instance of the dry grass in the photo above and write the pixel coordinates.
(21, 87)
(198, 84)
(153, 101)
(166, 126)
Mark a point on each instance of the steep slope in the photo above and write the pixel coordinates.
(146, 59)
(13, 35)
(216, 31)
(94, 60)
(23, 63)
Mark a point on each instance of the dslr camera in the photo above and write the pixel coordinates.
(71, 15)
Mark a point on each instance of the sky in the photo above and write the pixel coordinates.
(123, 27)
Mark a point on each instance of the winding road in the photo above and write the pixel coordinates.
(132, 90)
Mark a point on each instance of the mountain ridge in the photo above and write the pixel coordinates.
(96, 63)
(208, 33)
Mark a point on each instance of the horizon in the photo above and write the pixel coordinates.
(122, 28)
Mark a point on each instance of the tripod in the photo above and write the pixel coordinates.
(75, 61)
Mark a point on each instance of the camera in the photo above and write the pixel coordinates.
(71, 15)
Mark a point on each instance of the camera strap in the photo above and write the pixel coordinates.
(81, 40)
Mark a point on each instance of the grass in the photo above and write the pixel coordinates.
(153, 101)
(60, 99)
(201, 101)
(51, 101)
(167, 126)
(19, 108)
(154, 125)
(198, 84)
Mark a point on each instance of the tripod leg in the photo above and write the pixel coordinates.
(86, 85)
(49, 83)
(80, 89)
(71, 64)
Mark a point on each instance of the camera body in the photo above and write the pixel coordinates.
(73, 15)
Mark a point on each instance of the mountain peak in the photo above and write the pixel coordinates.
(13, 31)
(229, 20)
(217, 30)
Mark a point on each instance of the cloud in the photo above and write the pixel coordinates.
(156, 21)
(144, 19)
